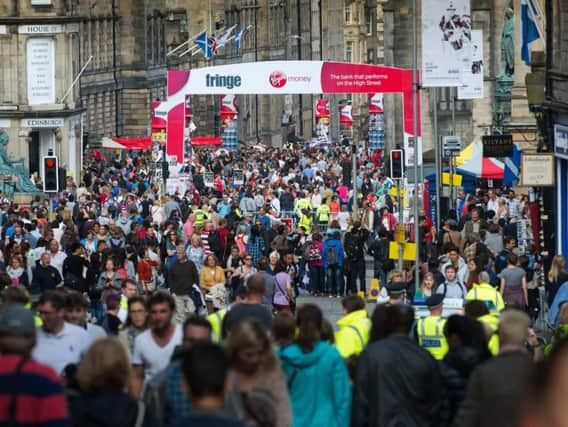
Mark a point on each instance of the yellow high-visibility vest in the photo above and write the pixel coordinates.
(431, 336)
(215, 319)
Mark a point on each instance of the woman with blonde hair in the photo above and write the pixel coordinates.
(102, 402)
(196, 252)
(259, 393)
(427, 288)
(557, 275)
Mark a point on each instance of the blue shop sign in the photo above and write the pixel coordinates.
(561, 141)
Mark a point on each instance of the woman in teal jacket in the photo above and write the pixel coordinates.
(317, 377)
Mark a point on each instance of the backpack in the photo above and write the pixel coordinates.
(311, 252)
(446, 290)
(352, 247)
(331, 255)
(501, 261)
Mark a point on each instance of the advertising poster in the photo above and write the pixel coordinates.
(238, 177)
(446, 42)
(472, 76)
(376, 121)
(322, 120)
(158, 125)
(208, 178)
(345, 115)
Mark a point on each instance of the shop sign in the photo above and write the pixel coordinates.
(561, 141)
(537, 170)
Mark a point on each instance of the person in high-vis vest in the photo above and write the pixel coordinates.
(216, 302)
(200, 216)
(430, 330)
(322, 214)
(215, 319)
(354, 327)
(490, 295)
(301, 204)
(477, 309)
(305, 221)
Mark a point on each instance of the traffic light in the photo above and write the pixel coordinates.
(50, 174)
(397, 164)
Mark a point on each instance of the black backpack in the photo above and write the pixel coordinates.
(352, 246)
(331, 255)
(445, 284)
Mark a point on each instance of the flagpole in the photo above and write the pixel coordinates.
(210, 19)
(189, 40)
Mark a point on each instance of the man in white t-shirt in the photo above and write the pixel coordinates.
(58, 343)
(154, 347)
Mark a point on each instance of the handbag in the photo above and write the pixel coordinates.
(291, 300)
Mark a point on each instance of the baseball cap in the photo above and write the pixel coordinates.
(17, 320)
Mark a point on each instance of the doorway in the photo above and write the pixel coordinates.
(33, 150)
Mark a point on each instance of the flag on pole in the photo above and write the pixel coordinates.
(212, 41)
(529, 30)
(239, 37)
(224, 39)
(204, 44)
(512, 167)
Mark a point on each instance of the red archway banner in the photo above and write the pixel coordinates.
(288, 77)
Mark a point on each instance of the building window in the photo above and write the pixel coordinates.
(370, 56)
(349, 51)
(348, 14)
(369, 21)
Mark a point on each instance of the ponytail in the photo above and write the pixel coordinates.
(309, 321)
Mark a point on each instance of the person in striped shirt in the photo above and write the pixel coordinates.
(30, 392)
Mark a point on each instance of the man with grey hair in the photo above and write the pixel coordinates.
(496, 389)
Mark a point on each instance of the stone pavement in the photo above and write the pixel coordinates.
(331, 307)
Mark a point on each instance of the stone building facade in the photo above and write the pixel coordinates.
(39, 51)
(279, 30)
(127, 43)
(363, 33)
(473, 118)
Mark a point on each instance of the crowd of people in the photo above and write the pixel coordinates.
(123, 305)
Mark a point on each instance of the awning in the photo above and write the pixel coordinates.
(483, 167)
(206, 140)
(125, 143)
(471, 161)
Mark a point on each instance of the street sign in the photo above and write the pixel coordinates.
(456, 179)
(497, 145)
(451, 146)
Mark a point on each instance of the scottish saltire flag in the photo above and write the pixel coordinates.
(239, 37)
(204, 43)
(512, 167)
(529, 30)
(224, 39)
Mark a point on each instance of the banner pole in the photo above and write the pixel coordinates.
(417, 152)
(436, 156)
(400, 221)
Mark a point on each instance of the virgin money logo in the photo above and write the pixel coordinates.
(278, 79)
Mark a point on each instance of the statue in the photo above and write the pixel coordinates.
(507, 76)
(16, 169)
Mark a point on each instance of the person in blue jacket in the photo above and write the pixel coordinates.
(318, 381)
(333, 259)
